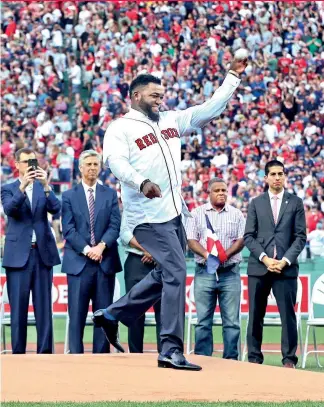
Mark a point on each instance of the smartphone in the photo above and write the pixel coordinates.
(33, 163)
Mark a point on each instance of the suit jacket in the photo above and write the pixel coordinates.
(23, 219)
(76, 228)
(262, 234)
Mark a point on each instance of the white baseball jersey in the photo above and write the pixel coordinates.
(138, 148)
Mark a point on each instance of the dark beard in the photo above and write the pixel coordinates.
(149, 112)
(155, 117)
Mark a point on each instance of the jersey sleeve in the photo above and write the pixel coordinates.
(116, 153)
(198, 116)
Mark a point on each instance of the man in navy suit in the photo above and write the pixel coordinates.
(91, 223)
(30, 252)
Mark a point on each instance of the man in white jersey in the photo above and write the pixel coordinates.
(143, 150)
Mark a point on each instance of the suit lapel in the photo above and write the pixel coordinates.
(16, 186)
(284, 204)
(37, 189)
(100, 198)
(82, 202)
(268, 208)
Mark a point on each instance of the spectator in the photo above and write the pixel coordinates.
(30, 251)
(225, 284)
(65, 165)
(114, 42)
(316, 240)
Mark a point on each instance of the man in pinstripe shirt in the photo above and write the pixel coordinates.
(228, 223)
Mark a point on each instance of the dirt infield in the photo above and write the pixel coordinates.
(135, 377)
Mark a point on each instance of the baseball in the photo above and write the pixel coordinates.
(241, 53)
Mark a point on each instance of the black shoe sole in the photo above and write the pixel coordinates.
(167, 365)
(115, 345)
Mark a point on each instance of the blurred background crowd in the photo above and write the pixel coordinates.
(66, 69)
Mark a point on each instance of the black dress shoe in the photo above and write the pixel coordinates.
(176, 360)
(257, 362)
(290, 365)
(110, 329)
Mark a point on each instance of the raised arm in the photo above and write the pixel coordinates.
(12, 202)
(199, 116)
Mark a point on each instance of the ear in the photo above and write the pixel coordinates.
(136, 96)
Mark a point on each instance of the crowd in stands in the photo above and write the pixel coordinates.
(66, 69)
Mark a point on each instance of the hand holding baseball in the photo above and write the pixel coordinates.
(240, 60)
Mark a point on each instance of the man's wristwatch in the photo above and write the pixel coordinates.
(143, 183)
(48, 192)
(103, 243)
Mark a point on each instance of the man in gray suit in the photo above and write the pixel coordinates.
(275, 234)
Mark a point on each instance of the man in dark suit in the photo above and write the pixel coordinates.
(30, 252)
(91, 223)
(275, 234)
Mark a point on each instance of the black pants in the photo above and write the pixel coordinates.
(91, 284)
(285, 292)
(35, 277)
(135, 271)
(166, 243)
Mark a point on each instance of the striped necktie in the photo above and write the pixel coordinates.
(275, 218)
(91, 213)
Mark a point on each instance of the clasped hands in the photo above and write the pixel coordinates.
(274, 265)
(95, 252)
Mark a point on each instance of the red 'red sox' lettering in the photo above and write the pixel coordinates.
(140, 144)
(150, 139)
(170, 133)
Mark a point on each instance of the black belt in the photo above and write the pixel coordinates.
(220, 268)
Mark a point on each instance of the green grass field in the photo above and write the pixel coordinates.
(167, 404)
(271, 336)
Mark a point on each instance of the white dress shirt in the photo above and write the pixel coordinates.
(279, 202)
(126, 236)
(87, 194)
(29, 193)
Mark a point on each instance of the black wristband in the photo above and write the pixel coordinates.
(143, 183)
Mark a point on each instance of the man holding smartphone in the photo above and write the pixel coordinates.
(30, 251)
